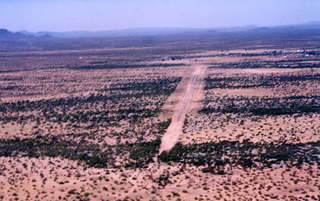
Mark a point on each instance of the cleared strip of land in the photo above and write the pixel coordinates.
(183, 105)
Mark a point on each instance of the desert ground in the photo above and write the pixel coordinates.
(232, 124)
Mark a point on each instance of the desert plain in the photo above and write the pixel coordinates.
(175, 122)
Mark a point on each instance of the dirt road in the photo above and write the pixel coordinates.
(183, 106)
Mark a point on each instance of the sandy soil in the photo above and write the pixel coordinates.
(51, 179)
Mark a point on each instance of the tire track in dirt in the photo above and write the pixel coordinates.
(182, 107)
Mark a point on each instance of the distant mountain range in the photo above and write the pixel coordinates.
(183, 38)
(121, 33)
(6, 34)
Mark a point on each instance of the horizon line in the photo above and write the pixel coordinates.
(164, 27)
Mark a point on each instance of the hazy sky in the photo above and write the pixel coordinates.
(66, 15)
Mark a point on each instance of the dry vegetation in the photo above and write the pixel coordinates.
(87, 125)
(259, 103)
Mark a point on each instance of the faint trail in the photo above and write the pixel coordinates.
(171, 137)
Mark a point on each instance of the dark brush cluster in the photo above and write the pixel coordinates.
(246, 154)
(127, 102)
(212, 156)
(73, 110)
(147, 88)
(135, 155)
(263, 106)
(81, 110)
(300, 63)
(237, 82)
(98, 66)
(260, 105)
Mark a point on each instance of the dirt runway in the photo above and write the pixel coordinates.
(175, 130)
